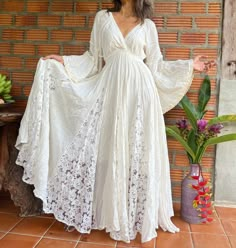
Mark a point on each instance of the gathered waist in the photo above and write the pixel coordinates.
(119, 53)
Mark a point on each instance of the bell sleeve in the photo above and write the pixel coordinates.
(172, 78)
(88, 64)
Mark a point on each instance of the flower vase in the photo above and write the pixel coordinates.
(188, 194)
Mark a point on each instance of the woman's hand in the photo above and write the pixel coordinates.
(202, 66)
(56, 57)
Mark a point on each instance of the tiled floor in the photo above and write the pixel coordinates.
(46, 232)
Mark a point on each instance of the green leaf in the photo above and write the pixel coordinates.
(174, 128)
(214, 141)
(171, 132)
(190, 111)
(220, 139)
(192, 140)
(221, 119)
(204, 96)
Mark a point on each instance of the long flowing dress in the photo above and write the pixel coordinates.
(92, 139)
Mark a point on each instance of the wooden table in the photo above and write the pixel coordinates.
(10, 173)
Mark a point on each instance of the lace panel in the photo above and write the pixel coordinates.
(70, 192)
(138, 179)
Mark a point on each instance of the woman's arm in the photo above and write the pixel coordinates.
(56, 57)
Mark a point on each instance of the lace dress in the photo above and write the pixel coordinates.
(92, 140)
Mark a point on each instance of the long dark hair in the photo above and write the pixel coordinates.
(142, 8)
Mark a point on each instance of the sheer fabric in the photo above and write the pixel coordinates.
(92, 139)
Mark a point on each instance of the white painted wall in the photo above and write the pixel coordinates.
(225, 178)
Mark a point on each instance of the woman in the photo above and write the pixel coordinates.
(92, 140)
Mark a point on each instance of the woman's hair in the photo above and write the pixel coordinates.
(142, 8)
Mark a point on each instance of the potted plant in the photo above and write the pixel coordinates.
(5, 89)
(196, 134)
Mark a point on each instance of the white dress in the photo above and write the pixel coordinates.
(92, 140)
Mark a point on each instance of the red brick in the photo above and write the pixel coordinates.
(13, 34)
(207, 162)
(181, 159)
(5, 72)
(19, 105)
(193, 38)
(179, 22)
(26, 20)
(5, 48)
(73, 49)
(37, 34)
(61, 35)
(174, 145)
(26, 90)
(107, 5)
(31, 63)
(164, 7)
(197, 82)
(51, 20)
(168, 38)
(11, 5)
(16, 90)
(22, 77)
(159, 21)
(83, 36)
(37, 6)
(25, 49)
(5, 19)
(208, 22)
(176, 175)
(210, 53)
(10, 62)
(173, 53)
(61, 6)
(193, 96)
(213, 39)
(91, 21)
(45, 49)
(176, 191)
(74, 21)
(88, 7)
(193, 8)
(214, 8)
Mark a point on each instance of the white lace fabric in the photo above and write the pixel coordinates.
(92, 140)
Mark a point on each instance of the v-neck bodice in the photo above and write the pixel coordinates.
(117, 26)
(112, 39)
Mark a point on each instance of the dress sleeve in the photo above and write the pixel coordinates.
(88, 64)
(172, 78)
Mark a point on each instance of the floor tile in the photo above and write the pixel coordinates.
(226, 213)
(89, 245)
(98, 236)
(57, 231)
(170, 240)
(181, 224)
(229, 226)
(214, 227)
(202, 240)
(46, 216)
(7, 221)
(53, 243)
(7, 206)
(137, 243)
(2, 234)
(33, 226)
(232, 240)
(18, 241)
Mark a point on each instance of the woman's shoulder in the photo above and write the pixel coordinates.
(101, 13)
(150, 23)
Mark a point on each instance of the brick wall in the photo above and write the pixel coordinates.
(30, 29)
